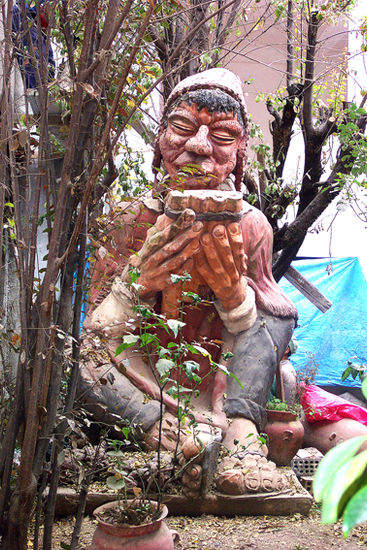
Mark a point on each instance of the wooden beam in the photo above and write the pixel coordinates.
(307, 289)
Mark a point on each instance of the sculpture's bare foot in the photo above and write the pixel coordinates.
(199, 454)
(248, 472)
(166, 436)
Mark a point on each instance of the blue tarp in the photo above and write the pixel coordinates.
(331, 339)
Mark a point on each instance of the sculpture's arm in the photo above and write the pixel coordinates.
(168, 248)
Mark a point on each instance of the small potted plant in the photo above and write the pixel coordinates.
(132, 523)
(284, 430)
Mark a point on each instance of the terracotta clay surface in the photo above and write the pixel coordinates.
(196, 222)
(150, 536)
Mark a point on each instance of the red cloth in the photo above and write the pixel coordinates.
(319, 405)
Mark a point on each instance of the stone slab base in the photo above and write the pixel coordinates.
(295, 500)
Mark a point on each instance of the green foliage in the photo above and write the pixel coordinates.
(340, 483)
(132, 179)
(354, 144)
(354, 370)
(276, 404)
(173, 363)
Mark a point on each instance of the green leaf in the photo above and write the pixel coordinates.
(355, 511)
(224, 369)
(195, 297)
(173, 392)
(331, 463)
(115, 454)
(191, 348)
(147, 338)
(337, 492)
(204, 352)
(175, 325)
(134, 275)
(164, 366)
(364, 388)
(346, 373)
(237, 380)
(61, 457)
(126, 431)
(128, 341)
(115, 484)
(179, 278)
(190, 367)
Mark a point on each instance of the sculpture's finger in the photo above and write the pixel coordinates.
(184, 220)
(221, 277)
(189, 494)
(180, 245)
(236, 243)
(205, 270)
(231, 482)
(224, 250)
(188, 481)
(169, 228)
(165, 230)
(175, 262)
(160, 278)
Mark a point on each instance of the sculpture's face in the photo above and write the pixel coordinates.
(201, 144)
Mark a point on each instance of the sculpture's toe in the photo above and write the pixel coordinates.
(251, 473)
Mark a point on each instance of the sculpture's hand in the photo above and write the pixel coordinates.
(223, 264)
(169, 248)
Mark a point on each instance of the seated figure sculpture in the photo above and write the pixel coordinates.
(201, 144)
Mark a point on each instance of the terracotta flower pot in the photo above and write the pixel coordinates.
(149, 536)
(285, 433)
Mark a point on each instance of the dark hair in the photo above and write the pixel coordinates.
(213, 100)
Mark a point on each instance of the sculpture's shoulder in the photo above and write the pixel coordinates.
(124, 231)
(131, 210)
(257, 236)
(256, 229)
(130, 220)
(253, 213)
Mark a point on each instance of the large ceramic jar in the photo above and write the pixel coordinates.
(285, 432)
(150, 536)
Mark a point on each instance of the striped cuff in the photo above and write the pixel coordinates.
(240, 318)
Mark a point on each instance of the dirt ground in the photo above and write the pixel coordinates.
(241, 533)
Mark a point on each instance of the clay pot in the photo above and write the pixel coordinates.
(285, 433)
(149, 536)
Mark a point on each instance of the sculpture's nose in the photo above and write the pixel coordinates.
(199, 143)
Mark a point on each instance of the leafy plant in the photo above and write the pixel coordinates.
(340, 482)
(177, 374)
(306, 375)
(276, 404)
(129, 511)
(354, 370)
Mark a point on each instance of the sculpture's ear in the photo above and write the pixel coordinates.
(240, 164)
